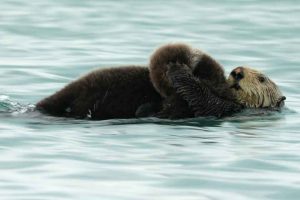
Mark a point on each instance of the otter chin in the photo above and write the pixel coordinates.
(253, 89)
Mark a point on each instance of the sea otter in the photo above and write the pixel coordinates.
(179, 82)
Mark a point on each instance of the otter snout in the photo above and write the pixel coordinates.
(238, 73)
(280, 101)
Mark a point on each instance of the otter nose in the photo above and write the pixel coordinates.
(238, 73)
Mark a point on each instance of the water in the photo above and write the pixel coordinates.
(46, 44)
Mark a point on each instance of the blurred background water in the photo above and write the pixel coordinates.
(46, 44)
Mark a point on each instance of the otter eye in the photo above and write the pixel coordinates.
(261, 79)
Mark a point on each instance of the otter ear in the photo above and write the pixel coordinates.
(280, 101)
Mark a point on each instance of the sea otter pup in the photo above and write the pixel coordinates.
(105, 94)
(180, 82)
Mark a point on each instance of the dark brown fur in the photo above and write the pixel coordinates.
(104, 94)
(202, 65)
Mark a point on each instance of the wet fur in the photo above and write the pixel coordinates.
(104, 94)
(257, 90)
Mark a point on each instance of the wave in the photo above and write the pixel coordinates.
(7, 105)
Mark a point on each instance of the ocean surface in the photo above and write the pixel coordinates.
(46, 44)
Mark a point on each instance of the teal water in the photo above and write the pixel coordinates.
(46, 44)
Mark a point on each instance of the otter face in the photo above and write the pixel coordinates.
(254, 89)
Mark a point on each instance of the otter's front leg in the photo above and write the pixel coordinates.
(199, 94)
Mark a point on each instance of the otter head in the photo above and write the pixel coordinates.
(254, 89)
